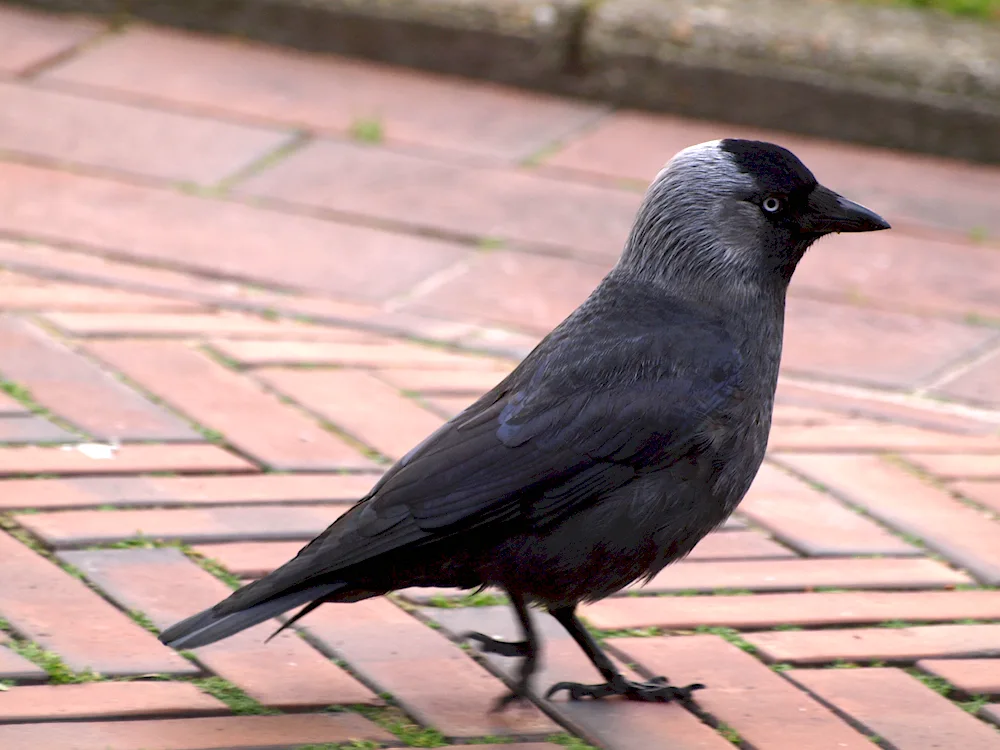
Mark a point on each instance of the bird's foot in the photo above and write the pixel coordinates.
(502, 648)
(656, 689)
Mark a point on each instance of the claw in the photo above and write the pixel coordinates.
(656, 689)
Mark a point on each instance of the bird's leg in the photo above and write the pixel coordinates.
(528, 648)
(656, 689)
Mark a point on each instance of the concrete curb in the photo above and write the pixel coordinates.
(878, 75)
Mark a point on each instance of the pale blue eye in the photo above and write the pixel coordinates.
(771, 205)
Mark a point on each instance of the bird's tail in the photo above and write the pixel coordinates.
(222, 621)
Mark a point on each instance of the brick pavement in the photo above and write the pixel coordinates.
(235, 282)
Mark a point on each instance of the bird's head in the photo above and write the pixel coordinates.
(736, 210)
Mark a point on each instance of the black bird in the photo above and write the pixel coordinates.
(632, 430)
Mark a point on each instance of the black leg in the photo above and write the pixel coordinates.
(656, 689)
(528, 648)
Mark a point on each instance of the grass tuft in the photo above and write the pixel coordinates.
(237, 700)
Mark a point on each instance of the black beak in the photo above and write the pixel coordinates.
(829, 212)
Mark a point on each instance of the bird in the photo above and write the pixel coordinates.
(633, 429)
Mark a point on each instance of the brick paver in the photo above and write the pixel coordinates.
(433, 679)
(235, 278)
(467, 201)
(759, 704)
(327, 93)
(895, 707)
(239, 489)
(359, 404)
(28, 39)
(77, 390)
(962, 534)
(166, 586)
(971, 676)
(77, 129)
(128, 459)
(80, 528)
(829, 529)
(904, 644)
(232, 405)
(768, 610)
(251, 732)
(99, 700)
(54, 609)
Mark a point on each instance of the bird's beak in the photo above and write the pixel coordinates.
(828, 212)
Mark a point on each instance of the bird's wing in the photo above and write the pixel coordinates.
(565, 427)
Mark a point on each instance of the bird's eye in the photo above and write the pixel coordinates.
(771, 204)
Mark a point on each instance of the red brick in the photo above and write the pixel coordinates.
(468, 201)
(759, 704)
(16, 667)
(737, 545)
(166, 587)
(388, 355)
(938, 192)
(960, 466)
(77, 297)
(432, 678)
(977, 385)
(984, 493)
(770, 610)
(227, 325)
(871, 347)
(93, 492)
(31, 429)
(49, 606)
(130, 459)
(880, 405)
(219, 237)
(802, 415)
(794, 575)
(877, 644)
(327, 93)
(69, 128)
(533, 292)
(360, 404)
(468, 384)
(775, 501)
(897, 498)
(28, 38)
(250, 559)
(897, 270)
(897, 708)
(222, 733)
(612, 723)
(80, 528)
(862, 435)
(971, 676)
(252, 420)
(79, 391)
(135, 699)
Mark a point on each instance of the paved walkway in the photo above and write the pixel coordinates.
(226, 275)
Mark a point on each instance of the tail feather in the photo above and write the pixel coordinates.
(210, 626)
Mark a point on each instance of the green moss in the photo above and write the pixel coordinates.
(367, 130)
(729, 634)
(237, 700)
(983, 9)
(395, 721)
(569, 741)
(58, 671)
